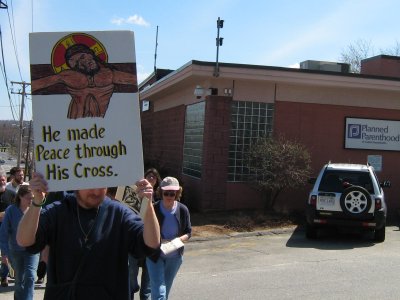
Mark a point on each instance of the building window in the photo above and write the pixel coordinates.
(193, 143)
(249, 121)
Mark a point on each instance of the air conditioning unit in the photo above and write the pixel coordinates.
(325, 66)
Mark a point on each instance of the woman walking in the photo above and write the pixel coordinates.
(23, 263)
(175, 227)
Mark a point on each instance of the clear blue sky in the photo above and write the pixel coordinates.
(262, 32)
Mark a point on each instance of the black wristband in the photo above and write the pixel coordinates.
(40, 204)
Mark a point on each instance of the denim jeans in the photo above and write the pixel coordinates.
(4, 271)
(24, 265)
(144, 286)
(145, 289)
(162, 274)
(133, 273)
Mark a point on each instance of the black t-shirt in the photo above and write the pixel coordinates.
(103, 260)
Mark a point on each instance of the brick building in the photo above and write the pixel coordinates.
(197, 126)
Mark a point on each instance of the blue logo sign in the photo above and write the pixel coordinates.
(354, 131)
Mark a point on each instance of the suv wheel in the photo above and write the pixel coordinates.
(355, 201)
(311, 232)
(380, 235)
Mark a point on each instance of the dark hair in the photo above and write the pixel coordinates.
(22, 191)
(156, 174)
(112, 192)
(78, 48)
(15, 170)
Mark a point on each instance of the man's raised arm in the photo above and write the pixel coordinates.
(28, 225)
(151, 234)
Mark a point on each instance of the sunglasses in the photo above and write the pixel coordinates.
(169, 194)
(151, 176)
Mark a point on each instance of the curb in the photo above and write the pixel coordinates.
(271, 232)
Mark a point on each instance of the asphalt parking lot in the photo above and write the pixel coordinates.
(283, 264)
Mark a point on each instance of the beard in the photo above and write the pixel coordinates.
(2, 188)
(88, 71)
(18, 180)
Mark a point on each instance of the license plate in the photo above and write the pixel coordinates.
(326, 200)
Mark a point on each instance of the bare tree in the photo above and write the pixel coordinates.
(355, 53)
(278, 164)
(362, 49)
(395, 50)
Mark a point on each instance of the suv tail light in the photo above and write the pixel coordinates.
(378, 203)
(313, 200)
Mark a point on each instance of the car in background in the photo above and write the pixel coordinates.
(2, 161)
(347, 195)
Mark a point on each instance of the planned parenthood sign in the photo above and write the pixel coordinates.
(372, 134)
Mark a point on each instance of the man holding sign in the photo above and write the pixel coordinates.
(89, 236)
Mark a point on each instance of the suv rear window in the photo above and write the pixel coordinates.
(332, 181)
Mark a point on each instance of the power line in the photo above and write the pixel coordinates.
(5, 75)
(13, 37)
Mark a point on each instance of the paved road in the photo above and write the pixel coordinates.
(8, 163)
(287, 266)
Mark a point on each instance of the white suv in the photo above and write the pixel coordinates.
(347, 195)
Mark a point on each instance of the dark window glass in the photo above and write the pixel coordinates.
(193, 143)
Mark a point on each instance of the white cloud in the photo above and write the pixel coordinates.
(141, 73)
(294, 66)
(117, 21)
(142, 76)
(135, 19)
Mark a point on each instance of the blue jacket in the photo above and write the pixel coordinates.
(8, 230)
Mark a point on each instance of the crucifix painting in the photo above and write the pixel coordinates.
(80, 68)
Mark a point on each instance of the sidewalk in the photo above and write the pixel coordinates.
(7, 293)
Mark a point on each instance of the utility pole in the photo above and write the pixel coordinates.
(155, 55)
(220, 24)
(28, 160)
(21, 117)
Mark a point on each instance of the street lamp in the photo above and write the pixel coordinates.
(219, 41)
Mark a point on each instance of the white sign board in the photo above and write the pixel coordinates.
(372, 134)
(85, 106)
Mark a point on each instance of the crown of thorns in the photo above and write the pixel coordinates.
(78, 48)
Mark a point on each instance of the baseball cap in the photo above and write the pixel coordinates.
(170, 184)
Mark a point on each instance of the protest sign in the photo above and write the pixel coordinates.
(128, 196)
(85, 106)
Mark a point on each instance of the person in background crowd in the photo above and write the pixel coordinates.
(174, 220)
(6, 198)
(153, 177)
(112, 192)
(89, 235)
(23, 262)
(17, 179)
